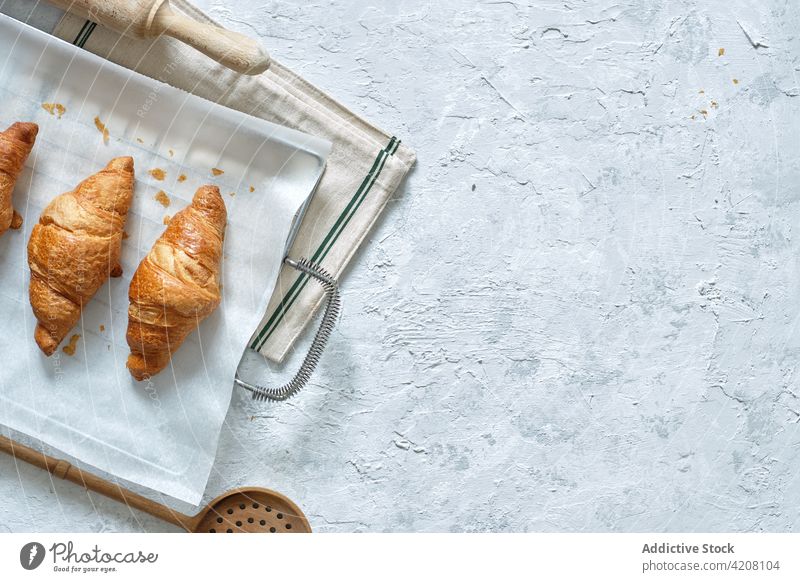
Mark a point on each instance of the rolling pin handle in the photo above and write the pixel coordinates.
(232, 49)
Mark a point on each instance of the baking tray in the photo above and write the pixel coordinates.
(161, 435)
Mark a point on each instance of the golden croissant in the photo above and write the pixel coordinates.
(16, 144)
(75, 247)
(177, 284)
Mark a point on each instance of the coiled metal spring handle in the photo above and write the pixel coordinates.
(327, 325)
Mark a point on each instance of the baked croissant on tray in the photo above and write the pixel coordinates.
(16, 144)
(76, 247)
(177, 284)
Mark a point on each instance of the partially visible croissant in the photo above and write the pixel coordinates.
(16, 144)
(177, 284)
(75, 248)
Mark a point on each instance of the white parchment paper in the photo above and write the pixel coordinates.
(161, 434)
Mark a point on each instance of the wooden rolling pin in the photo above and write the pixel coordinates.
(151, 18)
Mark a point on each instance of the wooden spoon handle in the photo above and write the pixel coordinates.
(64, 470)
(236, 51)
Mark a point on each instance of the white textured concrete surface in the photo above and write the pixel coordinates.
(581, 314)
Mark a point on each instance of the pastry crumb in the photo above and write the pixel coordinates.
(102, 327)
(140, 140)
(125, 235)
(101, 127)
(252, 189)
(163, 199)
(158, 174)
(171, 153)
(721, 52)
(182, 178)
(56, 109)
(166, 220)
(70, 348)
(736, 81)
(232, 194)
(217, 171)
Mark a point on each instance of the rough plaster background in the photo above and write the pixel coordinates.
(581, 315)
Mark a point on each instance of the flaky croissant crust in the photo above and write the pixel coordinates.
(177, 284)
(75, 247)
(16, 144)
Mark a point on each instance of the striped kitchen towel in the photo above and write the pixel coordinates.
(364, 170)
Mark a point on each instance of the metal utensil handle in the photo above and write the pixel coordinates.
(326, 327)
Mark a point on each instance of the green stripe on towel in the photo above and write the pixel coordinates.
(327, 243)
(85, 32)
